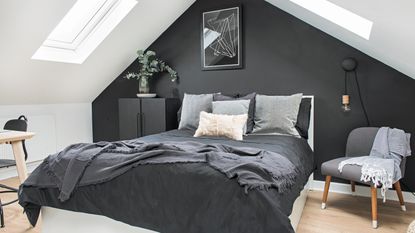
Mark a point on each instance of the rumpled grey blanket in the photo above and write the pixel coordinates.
(86, 164)
(382, 166)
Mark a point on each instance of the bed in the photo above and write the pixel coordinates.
(178, 196)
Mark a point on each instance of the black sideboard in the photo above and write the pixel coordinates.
(145, 116)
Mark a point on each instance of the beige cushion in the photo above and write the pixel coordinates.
(231, 126)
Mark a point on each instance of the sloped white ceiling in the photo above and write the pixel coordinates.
(25, 24)
(392, 40)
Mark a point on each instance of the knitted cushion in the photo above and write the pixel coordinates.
(230, 126)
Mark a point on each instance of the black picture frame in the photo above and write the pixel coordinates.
(221, 39)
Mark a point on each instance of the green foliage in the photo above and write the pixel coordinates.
(150, 65)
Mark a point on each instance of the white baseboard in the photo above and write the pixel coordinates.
(10, 172)
(360, 191)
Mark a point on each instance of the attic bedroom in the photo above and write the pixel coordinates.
(197, 116)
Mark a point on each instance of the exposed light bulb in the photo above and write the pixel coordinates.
(346, 108)
(346, 103)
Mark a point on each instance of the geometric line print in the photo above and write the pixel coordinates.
(225, 44)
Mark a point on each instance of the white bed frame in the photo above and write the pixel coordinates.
(299, 203)
(64, 221)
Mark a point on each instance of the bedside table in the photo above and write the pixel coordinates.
(140, 117)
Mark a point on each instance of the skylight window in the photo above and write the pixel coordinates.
(82, 29)
(339, 16)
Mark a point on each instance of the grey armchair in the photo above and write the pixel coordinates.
(359, 143)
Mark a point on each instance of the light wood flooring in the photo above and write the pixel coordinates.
(344, 214)
(349, 214)
(14, 218)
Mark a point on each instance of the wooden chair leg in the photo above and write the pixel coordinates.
(326, 192)
(353, 186)
(398, 189)
(374, 207)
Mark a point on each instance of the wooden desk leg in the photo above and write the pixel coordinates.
(19, 156)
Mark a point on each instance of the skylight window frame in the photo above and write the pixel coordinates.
(80, 36)
(339, 16)
(88, 39)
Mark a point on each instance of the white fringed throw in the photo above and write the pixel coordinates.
(376, 170)
(382, 166)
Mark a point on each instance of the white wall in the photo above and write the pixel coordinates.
(56, 126)
(25, 24)
(391, 41)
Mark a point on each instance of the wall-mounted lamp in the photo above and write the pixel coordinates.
(350, 65)
(346, 103)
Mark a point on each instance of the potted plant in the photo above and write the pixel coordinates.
(149, 65)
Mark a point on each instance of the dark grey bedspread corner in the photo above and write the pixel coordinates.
(193, 196)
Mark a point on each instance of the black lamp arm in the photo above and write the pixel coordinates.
(345, 83)
(360, 98)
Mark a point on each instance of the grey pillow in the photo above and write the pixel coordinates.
(231, 107)
(191, 107)
(251, 112)
(277, 114)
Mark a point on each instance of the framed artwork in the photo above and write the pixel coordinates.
(221, 42)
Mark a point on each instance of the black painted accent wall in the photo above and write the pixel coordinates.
(282, 55)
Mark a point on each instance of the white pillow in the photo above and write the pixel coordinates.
(231, 126)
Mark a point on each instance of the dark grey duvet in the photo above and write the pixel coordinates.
(172, 182)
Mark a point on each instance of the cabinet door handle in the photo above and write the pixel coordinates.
(143, 124)
(139, 125)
